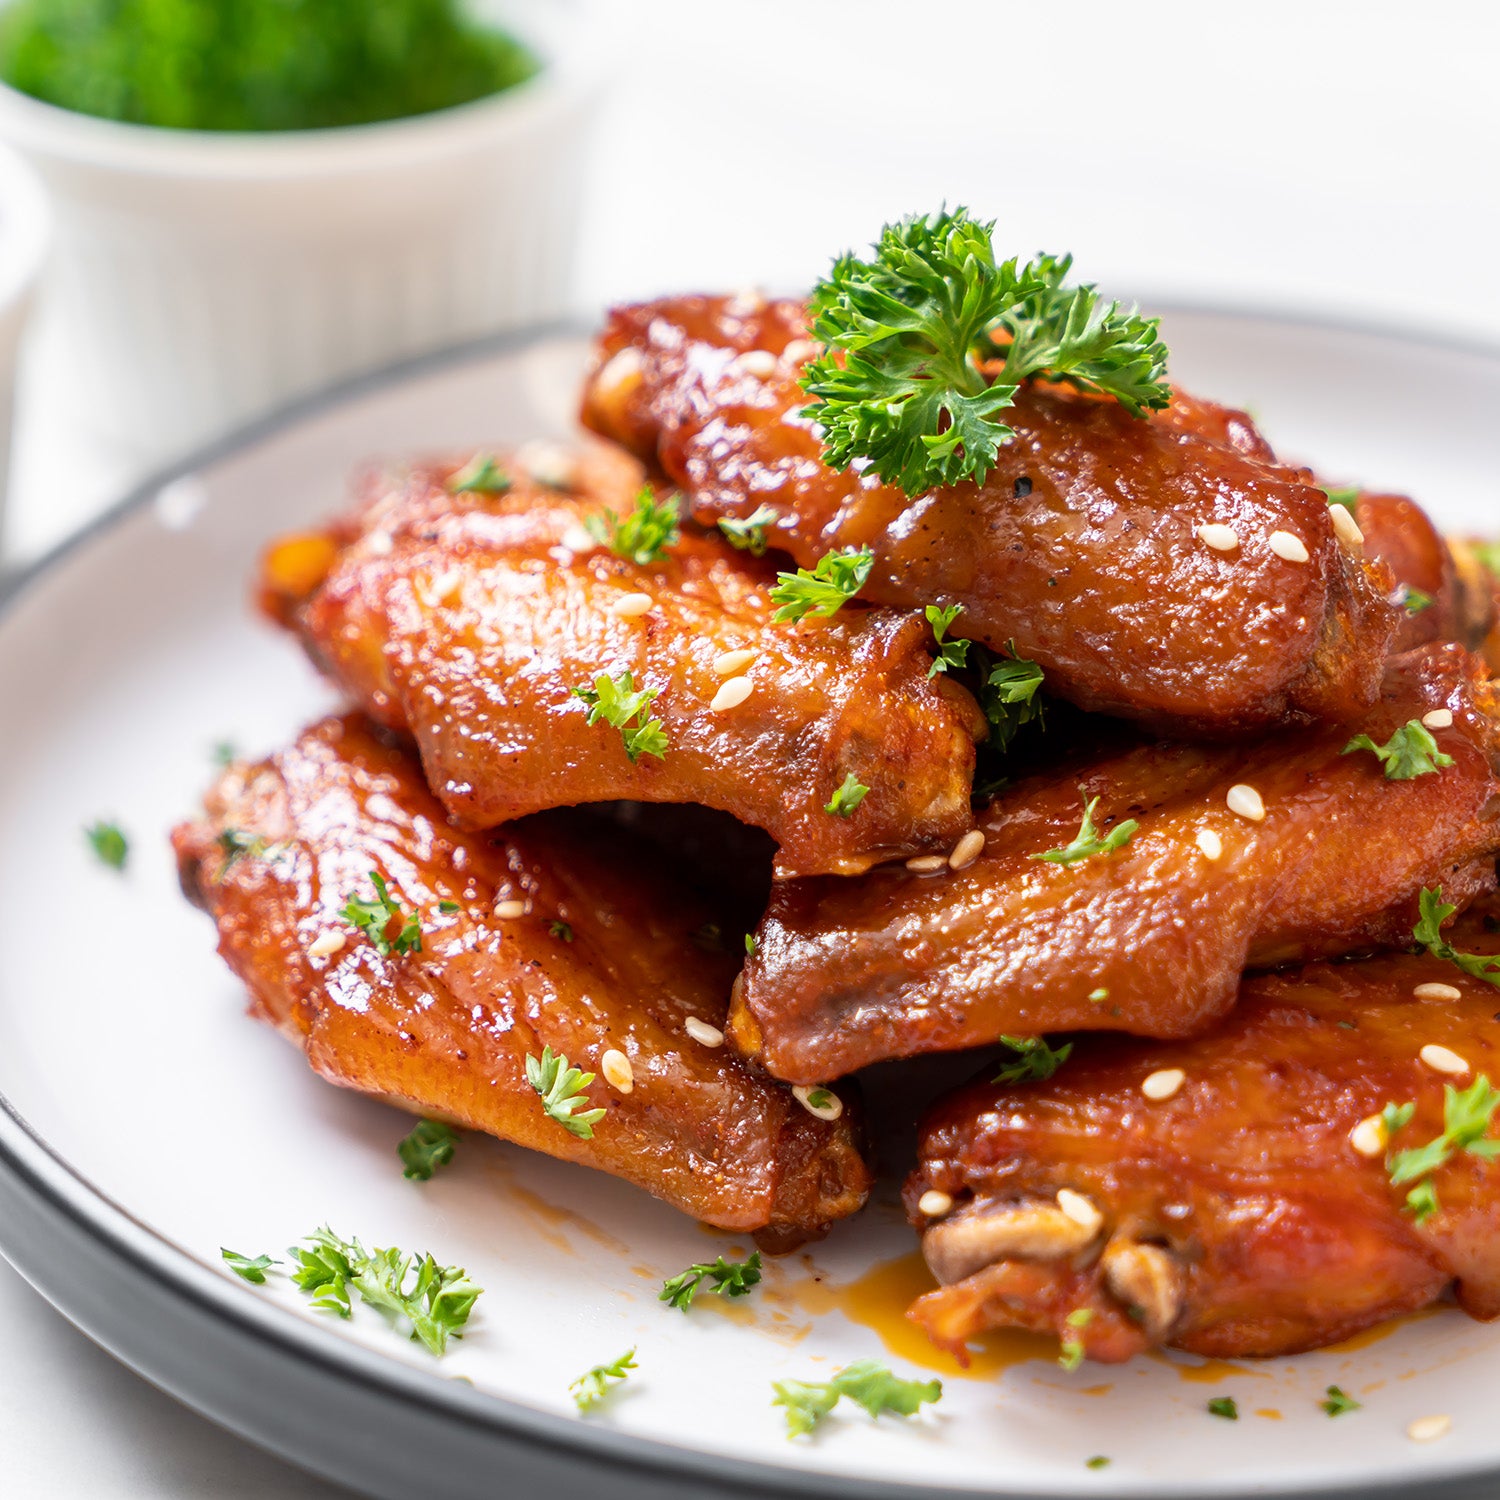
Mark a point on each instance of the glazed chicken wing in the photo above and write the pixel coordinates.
(474, 620)
(561, 933)
(1165, 570)
(1231, 1195)
(1244, 856)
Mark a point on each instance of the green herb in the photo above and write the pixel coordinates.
(480, 476)
(1415, 600)
(1097, 997)
(1008, 694)
(253, 1271)
(901, 383)
(751, 944)
(1410, 752)
(819, 1098)
(1071, 1355)
(449, 907)
(241, 65)
(1466, 1120)
(1099, 1461)
(824, 589)
(749, 535)
(561, 930)
(430, 1145)
(1224, 1406)
(1487, 554)
(1035, 1059)
(847, 797)
(1087, 843)
(1338, 1402)
(225, 754)
(1346, 495)
(374, 919)
(645, 535)
(729, 1278)
(1428, 932)
(615, 700)
(561, 1086)
(235, 844)
(1422, 1202)
(867, 1381)
(951, 654)
(594, 1385)
(109, 844)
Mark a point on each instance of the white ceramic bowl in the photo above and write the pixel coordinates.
(202, 278)
(24, 232)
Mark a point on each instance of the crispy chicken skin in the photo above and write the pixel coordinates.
(469, 619)
(1152, 938)
(1235, 1217)
(446, 1031)
(1082, 545)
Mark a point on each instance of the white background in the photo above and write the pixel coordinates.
(1339, 159)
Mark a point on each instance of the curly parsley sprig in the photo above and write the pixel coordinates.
(562, 1089)
(374, 919)
(644, 535)
(867, 1381)
(1466, 1119)
(1087, 843)
(594, 1385)
(728, 1278)
(1410, 752)
(822, 590)
(1433, 911)
(616, 701)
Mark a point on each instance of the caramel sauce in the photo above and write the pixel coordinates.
(1268, 1412)
(1363, 1340)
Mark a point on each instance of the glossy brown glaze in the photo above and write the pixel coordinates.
(446, 1031)
(1150, 939)
(1082, 546)
(468, 620)
(1266, 1230)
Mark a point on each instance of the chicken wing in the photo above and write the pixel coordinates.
(1244, 856)
(559, 933)
(1231, 1195)
(1165, 570)
(473, 621)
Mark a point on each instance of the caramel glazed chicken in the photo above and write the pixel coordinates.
(1141, 735)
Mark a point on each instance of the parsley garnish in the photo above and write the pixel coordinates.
(374, 918)
(562, 930)
(1007, 693)
(109, 844)
(1338, 1402)
(1035, 1060)
(561, 1086)
(951, 654)
(1414, 600)
(1087, 842)
(1410, 752)
(235, 844)
(729, 1278)
(480, 476)
(430, 1145)
(901, 382)
(1346, 495)
(751, 944)
(1071, 1355)
(1488, 556)
(615, 700)
(824, 589)
(1224, 1406)
(1429, 933)
(819, 1098)
(847, 797)
(1098, 1461)
(225, 753)
(1466, 1118)
(749, 535)
(867, 1381)
(594, 1385)
(644, 536)
(253, 1271)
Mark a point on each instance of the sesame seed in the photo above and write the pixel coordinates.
(1079, 1209)
(1345, 527)
(631, 606)
(617, 1071)
(749, 299)
(506, 910)
(1245, 801)
(733, 661)
(758, 362)
(1218, 536)
(621, 374)
(548, 464)
(1210, 845)
(966, 850)
(927, 864)
(701, 1031)
(731, 694)
(1439, 718)
(934, 1203)
(1369, 1136)
(1288, 545)
(1429, 1429)
(799, 351)
(1435, 991)
(819, 1101)
(1442, 1059)
(379, 544)
(1163, 1083)
(326, 944)
(577, 539)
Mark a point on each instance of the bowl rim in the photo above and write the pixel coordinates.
(25, 230)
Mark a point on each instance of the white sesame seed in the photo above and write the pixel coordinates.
(731, 694)
(577, 539)
(934, 1203)
(749, 299)
(1079, 1209)
(1435, 991)
(733, 661)
(799, 351)
(1345, 527)
(1163, 1083)
(1288, 545)
(379, 544)
(548, 464)
(631, 606)
(1429, 1429)
(440, 588)
(1245, 801)
(506, 910)
(617, 1071)
(1218, 536)
(1442, 1059)
(701, 1031)
(1369, 1136)
(1439, 718)
(758, 362)
(326, 944)
(966, 850)
(621, 374)
(1210, 845)
(927, 864)
(828, 1105)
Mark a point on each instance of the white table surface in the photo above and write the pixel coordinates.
(1337, 158)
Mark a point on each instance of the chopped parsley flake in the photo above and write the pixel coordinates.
(951, 654)
(1346, 495)
(1087, 842)
(1098, 1461)
(561, 1086)
(1428, 932)
(374, 918)
(646, 534)
(1224, 1406)
(235, 844)
(749, 534)
(867, 1382)
(429, 1145)
(616, 701)
(480, 476)
(109, 844)
(225, 753)
(594, 1385)
(824, 589)
(562, 930)
(1415, 600)
(1337, 1402)
(728, 1278)
(1071, 1355)
(1035, 1060)
(251, 1270)
(847, 797)
(751, 944)
(1410, 752)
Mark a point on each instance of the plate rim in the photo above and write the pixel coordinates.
(45, 1176)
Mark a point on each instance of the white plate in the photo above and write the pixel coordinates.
(150, 1122)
